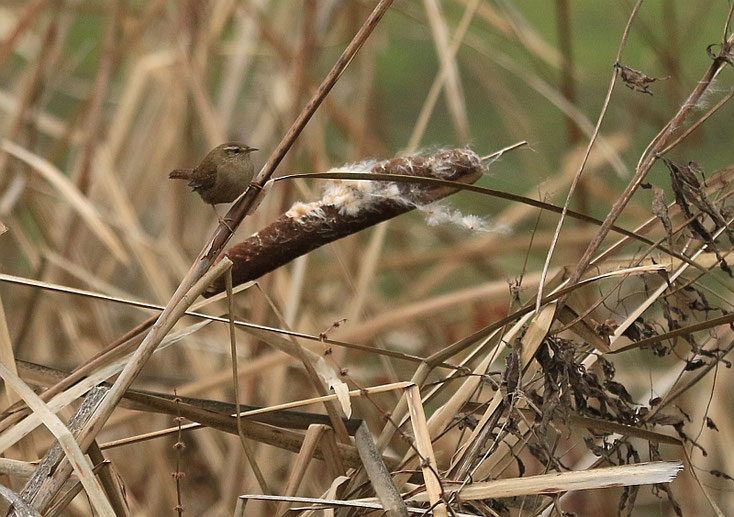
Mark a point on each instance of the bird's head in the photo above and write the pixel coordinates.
(234, 151)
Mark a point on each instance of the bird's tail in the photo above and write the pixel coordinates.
(180, 174)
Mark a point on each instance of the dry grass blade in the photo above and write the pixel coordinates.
(454, 90)
(316, 400)
(727, 319)
(75, 198)
(287, 346)
(425, 449)
(7, 355)
(582, 328)
(438, 82)
(614, 427)
(110, 480)
(401, 408)
(18, 468)
(334, 462)
(281, 438)
(318, 503)
(298, 471)
(236, 385)
(608, 477)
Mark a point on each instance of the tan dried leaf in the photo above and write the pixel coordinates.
(636, 80)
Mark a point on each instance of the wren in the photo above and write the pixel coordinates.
(222, 175)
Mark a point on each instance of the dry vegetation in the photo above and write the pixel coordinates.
(550, 338)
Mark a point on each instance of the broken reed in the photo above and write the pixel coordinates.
(347, 207)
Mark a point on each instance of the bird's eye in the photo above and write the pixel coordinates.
(233, 149)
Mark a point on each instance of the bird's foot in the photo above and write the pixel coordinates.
(223, 221)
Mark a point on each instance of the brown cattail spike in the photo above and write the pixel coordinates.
(347, 207)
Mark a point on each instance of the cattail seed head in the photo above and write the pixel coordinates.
(348, 206)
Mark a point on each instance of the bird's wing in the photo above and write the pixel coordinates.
(202, 179)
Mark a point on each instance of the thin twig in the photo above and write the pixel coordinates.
(497, 154)
(236, 387)
(580, 171)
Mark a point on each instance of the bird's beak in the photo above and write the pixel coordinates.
(250, 149)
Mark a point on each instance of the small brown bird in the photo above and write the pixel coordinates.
(222, 175)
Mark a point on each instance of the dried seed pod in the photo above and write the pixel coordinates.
(347, 207)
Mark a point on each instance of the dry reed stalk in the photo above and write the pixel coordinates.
(379, 475)
(454, 90)
(33, 491)
(236, 385)
(295, 421)
(431, 476)
(7, 355)
(448, 68)
(298, 470)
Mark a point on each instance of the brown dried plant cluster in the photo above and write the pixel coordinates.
(338, 359)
